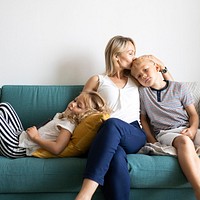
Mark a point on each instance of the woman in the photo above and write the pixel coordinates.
(121, 134)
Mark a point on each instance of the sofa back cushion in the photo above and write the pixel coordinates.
(37, 103)
(194, 88)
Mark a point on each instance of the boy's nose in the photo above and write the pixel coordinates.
(144, 76)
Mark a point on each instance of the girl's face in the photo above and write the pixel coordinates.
(77, 106)
(126, 57)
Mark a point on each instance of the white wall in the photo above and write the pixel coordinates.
(63, 41)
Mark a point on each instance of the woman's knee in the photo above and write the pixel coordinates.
(111, 122)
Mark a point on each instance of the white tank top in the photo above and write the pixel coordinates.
(124, 102)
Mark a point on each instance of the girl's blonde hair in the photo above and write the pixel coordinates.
(115, 46)
(94, 103)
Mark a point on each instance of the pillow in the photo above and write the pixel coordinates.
(81, 138)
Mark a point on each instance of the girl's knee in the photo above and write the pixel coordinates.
(5, 106)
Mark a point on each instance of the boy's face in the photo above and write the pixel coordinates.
(145, 73)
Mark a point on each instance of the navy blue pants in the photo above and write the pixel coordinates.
(107, 160)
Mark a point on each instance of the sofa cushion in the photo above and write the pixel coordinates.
(29, 175)
(35, 104)
(194, 88)
(155, 172)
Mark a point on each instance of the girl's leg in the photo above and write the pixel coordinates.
(10, 127)
(117, 180)
(189, 161)
(9, 114)
(113, 133)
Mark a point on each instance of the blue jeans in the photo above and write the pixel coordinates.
(107, 160)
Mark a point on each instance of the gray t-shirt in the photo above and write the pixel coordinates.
(165, 108)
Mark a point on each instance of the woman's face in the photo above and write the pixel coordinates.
(126, 57)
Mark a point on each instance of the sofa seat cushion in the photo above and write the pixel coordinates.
(155, 172)
(29, 175)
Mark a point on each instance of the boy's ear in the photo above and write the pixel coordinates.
(157, 67)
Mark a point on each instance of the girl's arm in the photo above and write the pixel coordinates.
(147, 130)
(92, 83)
(54, 147)
(193, 122)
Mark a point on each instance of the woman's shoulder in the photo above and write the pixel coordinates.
(92, 83)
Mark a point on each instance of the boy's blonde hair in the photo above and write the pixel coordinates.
(115, 46)
(138, 61)
(94, 103)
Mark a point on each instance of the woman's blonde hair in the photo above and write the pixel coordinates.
(94, 103)
(115, 46)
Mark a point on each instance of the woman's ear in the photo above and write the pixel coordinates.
(115, 57)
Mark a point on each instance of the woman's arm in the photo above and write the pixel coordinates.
(166, 75)
(147, 130)
(54, 147)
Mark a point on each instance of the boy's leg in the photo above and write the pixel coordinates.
(189, 161)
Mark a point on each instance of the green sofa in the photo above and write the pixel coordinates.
(152, 177)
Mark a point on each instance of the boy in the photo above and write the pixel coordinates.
(171, 113)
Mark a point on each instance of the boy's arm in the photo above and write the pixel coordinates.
(193, 122)
(147, 130)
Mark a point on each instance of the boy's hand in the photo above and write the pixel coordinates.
(33, 133)
(189, 132)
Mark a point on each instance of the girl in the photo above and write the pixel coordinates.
(54, 136)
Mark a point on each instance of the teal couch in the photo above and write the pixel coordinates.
(152, 177)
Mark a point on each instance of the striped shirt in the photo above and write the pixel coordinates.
(165, 107)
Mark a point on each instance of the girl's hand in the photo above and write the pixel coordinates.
(189, 132)
(33, 133)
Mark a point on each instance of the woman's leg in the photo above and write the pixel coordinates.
(113, 133)
(117, 180)
(10, 128)
(189, 161)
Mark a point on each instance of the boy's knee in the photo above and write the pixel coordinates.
(182, 140)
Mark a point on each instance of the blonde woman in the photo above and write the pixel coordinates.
(121, 134)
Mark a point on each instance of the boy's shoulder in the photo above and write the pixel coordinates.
(177, 84)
